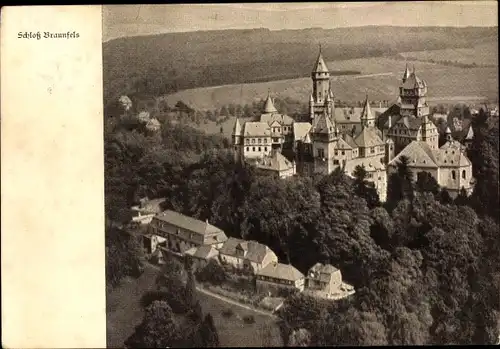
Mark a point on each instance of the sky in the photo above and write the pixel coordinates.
(130, 20)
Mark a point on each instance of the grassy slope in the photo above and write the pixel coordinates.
(125, 312)
(484, 54)
(443, 81)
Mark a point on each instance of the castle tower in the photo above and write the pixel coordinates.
(429, 133)
(321, 87)
(324, 141)
(389, 150)
(413, 93)
(367, 118)
(237, 138)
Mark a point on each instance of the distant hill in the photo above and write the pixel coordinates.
(166, 63)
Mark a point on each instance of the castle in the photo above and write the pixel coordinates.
(375, 143)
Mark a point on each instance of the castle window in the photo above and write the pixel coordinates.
(321, 153)
(335, 162)
(260, 141)
(343, 152)
(248, 148)
(453, 175)
(253, 141)
(247, 141)
(463, 174)
(265, 148)
(253, 148)
(336, 152)
(235, 148)
(259, 149)
(265, 140)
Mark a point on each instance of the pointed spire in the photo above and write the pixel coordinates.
(406, 74)
(320, 66)
(237, 128)
(366, 114)
(448, 133)
(269, 105)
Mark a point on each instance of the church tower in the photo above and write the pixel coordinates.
(367, 118)
(321, 89)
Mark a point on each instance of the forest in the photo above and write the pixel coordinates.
(425, 266)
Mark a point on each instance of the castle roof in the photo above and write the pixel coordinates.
(413, 82)
(419, 153)
(366, 113)
(269, 105)
(301, 130)
(342, 144)
(406, 74)
(237, 128)
(470, 133)
(370, 164)
(349, 140)
(323, 124)
(353, 114)
(275, 162)
(368, 137)
(256, 128)
(411, 123)
(320, 65)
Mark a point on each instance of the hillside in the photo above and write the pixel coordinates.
(167, 63)
(380, 77)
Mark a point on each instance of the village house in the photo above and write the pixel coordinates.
(146, 210)
(182, 232)
(200, 256)
(276, 278)
(325, 281)
(151, 242)
(246, 255)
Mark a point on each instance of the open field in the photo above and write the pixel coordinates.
(125, 312)
(380, 78)
(483, 54)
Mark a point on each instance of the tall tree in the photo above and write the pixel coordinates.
(364, 188)
(208, 332)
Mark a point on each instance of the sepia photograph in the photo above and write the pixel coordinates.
(301, 174)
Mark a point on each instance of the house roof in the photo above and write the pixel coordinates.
(188, 223)
(281, 271)
(341, 144)
(256, 252)
(393, 112)
(349, 140)
(275, 162)
(256, 128)
(368, 137)
(237, 128)
(419, 153)
(323, 268)
(203, 252)
(301, 129)
(282, 119)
